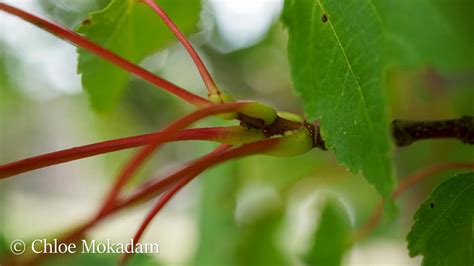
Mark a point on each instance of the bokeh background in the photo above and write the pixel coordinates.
(252, 211)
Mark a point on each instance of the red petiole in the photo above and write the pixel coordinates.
(157, 187)
(234, 135)
(210, 84)
(229, 135)
(249, 114)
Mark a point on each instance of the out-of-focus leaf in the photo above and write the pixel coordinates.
(218, 232)
(70, 13)
(222, 240)
(132, 30)
(4, 248)
(443, 230)
(280, 172)
(258, 244)
(439, 33)
(331, 239)
(335, 50)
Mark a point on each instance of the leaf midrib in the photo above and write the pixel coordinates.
(359, 88)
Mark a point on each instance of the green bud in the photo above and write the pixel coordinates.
(226, 97)
(260, 111)
(223, 98)
(291, 116)
(292, 143)
(214, 98)
(228, 116)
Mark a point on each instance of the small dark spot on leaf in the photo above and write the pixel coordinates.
(86, 21)
(431, 205)
(324, 18)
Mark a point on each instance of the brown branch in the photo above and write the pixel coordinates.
(407, 132)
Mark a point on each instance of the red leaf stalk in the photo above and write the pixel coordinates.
(207, 78)
(156, 188)
(230, 135)
(109, 56)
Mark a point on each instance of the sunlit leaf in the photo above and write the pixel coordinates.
(443, 230)
(132, 30)
(336, 55)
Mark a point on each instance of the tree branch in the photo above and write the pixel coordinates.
(407, 132)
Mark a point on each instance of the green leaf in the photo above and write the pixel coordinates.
(335, 50)
(441, 36)
(444, 224)
(332, 236)
(132, 30)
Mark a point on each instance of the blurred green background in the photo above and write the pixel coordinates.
(253, 211)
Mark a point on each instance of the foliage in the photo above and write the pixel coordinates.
(339, 52)
(336, 56)
(440, 36)
(443, 231)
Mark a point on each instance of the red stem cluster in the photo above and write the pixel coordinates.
(159, 185)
